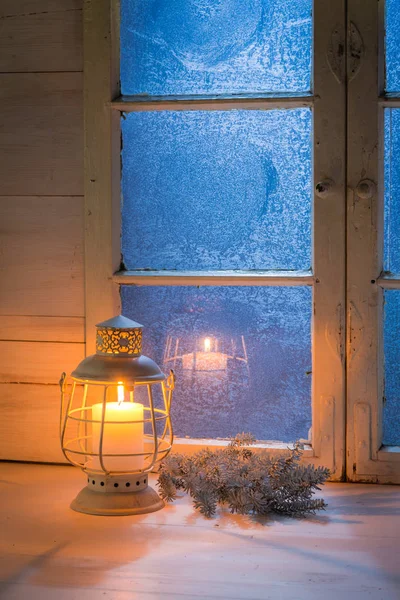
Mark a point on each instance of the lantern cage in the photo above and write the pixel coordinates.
(115, 422)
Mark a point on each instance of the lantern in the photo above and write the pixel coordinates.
(115, 422)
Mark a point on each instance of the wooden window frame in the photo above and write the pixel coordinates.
(103, 105)
(367, 459)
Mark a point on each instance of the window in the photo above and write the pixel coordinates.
(230, 242)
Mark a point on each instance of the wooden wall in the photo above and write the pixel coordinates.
(41, 219)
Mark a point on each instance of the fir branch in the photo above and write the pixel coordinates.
(247, 482)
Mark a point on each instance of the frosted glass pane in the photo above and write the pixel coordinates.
(242, 356)
(217, 190)
(176, 47)
(391, 413)
(392, 190)
(392, 45)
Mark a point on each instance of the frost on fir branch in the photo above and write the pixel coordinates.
(247, 482)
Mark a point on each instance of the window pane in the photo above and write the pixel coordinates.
(176, 47)
(391, 413)
(392, 45)
(217, 190)
(242, 356)
(392, 190)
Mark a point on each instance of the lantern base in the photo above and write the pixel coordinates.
(117, 503)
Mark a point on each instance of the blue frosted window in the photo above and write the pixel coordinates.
(177, 47)
(392, 191)
(391, 412)
(242, 356)
(392, 45)
(217, 189)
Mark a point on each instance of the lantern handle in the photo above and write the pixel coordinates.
(61, 383)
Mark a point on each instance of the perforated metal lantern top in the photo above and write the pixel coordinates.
(119, 336)
(118, 355)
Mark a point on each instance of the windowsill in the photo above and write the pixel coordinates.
(389, 453)
(191, 445)
(49, 551)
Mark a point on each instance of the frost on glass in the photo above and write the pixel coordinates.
(392, 191)
(242, 356)
(391, 412)
(176, 47)
(217, 190)
(392, 45)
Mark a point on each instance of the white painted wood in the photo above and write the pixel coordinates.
(328, 237)
(132, 104)
(41, 136)
(37, 362)
(190, 446)
(29, 425)
(41, 259)
(389, 282)
(48, 551)
(389, 102)
(42, 329)
(33, 39)
(275, 278)
(366, 460)
(102, 164)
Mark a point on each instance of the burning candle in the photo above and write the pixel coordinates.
(205, 361)
(124, 437)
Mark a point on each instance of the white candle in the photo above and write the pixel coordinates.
(119, 438)
(205, 361)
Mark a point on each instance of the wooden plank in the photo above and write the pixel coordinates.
(37, 362)
(30, 423)
(16, 8)
(41, 263)
(285, 278)
(33, 39)
(102, 164)
(329, 235)
(41, 139)
(42, 329)
(131, 104)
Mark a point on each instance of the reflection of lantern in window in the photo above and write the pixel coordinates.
(207, 354)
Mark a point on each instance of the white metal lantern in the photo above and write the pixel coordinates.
(115, 422)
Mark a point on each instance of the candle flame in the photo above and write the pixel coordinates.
(121, 392)
(207, 345)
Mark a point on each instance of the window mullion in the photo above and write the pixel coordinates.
(329, 234)
(365, 245)
(273, 278)
(126, 104)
